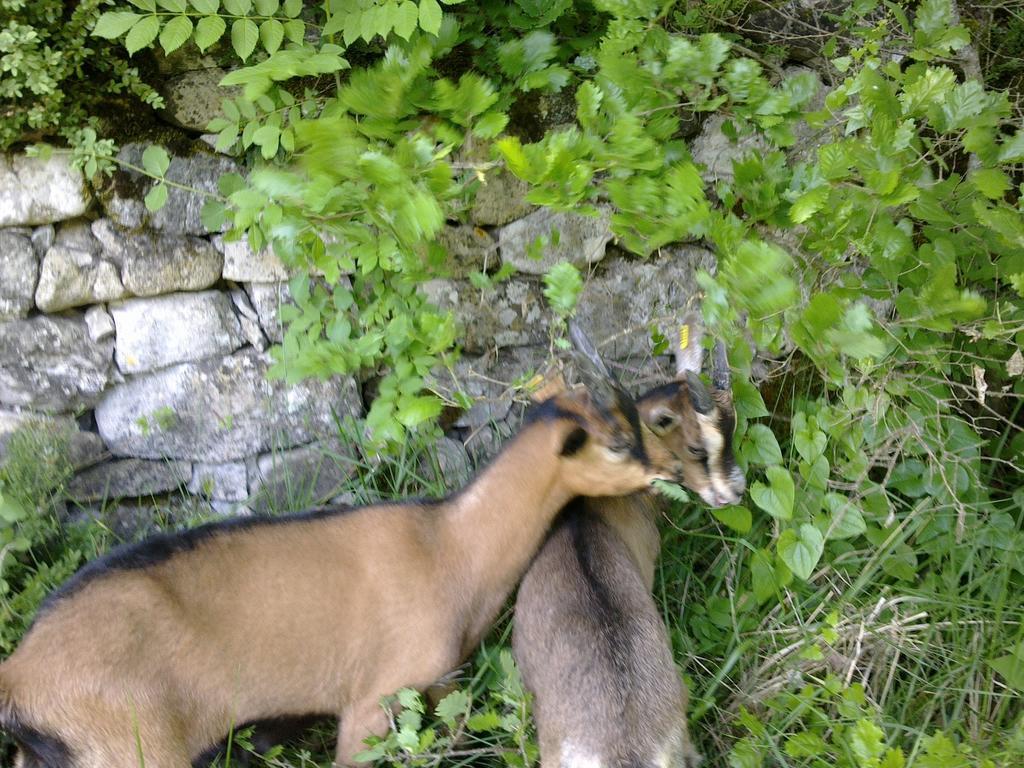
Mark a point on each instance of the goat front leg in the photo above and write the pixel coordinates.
(357, 722)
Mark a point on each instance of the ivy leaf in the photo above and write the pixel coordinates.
(738, 518)
(142, 34)
(156, 160)
(209, 30)
(175, 33)
(847, 520)
(244, 36)
(776, 498)
(761, 447)
(430, 16)
(801, 549)
(156, 197)
(768, 575)
(113, 24)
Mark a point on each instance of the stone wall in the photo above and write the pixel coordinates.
(148, 338)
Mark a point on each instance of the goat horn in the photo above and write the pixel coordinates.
(587, 356)
(720, 377)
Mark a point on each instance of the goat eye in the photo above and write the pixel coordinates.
(664, 421)
(697, 452)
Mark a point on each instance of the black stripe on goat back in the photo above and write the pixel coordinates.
(161, 547)
(587, 533)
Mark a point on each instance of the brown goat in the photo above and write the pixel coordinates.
(588, 636)
(152, 653)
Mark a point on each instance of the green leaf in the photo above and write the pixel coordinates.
(1012, 150)
(847, 520)
(430, 16)
(206, 7)
(266, 7)
(490, 125)
(763, 447)
(209, 30)
(562, 286)
(295, 30)
(776, 498)
(271, 35)
(244, 36)
(142, 34)
(156, 197)
(411, 699)
(174, 6)
(10, 510)
(867, 742)
(292, 8)
(738, 518)
(175, 33)
(991, 182)
(671, 491)
(155, 160)
(762, 574)
(406, 18)
(806, 744)
(485, 721)
(453, 706)
(267, 138)
(213, 215)
(1011, 668)
(808, 204)
(932, 16)
(415, 409)
(801, 549)
(113, 24)
(809, 442)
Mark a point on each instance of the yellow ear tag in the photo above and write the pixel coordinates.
(684, 336)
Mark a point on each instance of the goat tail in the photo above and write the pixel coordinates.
(36, 748)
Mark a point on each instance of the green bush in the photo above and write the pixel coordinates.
(53, 76)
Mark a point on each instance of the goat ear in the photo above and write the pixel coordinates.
(574, 442)
(700, 398)
(689, 352)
